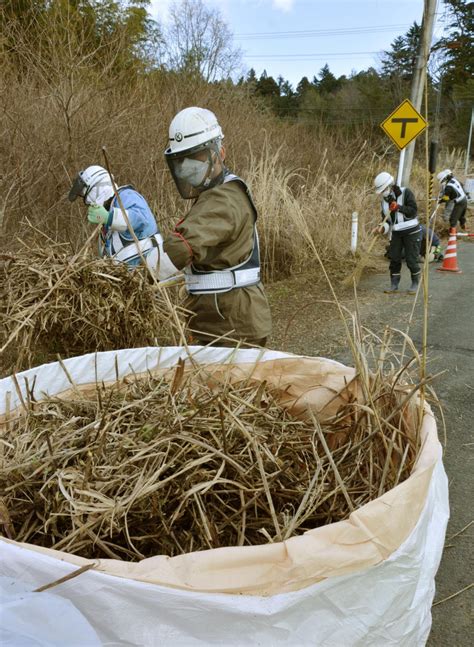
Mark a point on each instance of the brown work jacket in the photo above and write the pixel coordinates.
(217, 233)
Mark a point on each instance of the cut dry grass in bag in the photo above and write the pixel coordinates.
(51, 304)
(168, 464)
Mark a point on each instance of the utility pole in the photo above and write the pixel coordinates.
(468, 151)
(419, 75)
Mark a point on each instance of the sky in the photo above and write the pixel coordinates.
(296, 38)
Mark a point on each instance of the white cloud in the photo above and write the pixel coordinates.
(159, 9)
(284, 5)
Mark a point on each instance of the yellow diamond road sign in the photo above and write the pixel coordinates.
(404, 124)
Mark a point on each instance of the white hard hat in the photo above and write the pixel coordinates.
(194, 151)
(443, 175)
(383, 181)
(93, 185)
(192, 128)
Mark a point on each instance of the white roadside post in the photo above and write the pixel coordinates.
(355, 222)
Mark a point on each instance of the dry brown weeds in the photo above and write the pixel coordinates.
(53, 302)
(172, 464)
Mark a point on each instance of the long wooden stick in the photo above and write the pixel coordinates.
(125, 215)
(142, 258)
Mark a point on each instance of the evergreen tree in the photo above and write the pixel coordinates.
(302, 87)
(327, 83)
(400, 60)
(251, 76)
(267, 86)
(458, 44)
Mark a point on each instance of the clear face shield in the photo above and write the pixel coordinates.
(78, 188)
(97, 192)
(195, 171)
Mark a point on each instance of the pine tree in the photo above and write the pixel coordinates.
(400, 60)
(458, 44)
(327, 82)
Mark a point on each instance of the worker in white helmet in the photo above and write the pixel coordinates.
(94, 186)
(452, 195)
(216, 243)
(400, 221)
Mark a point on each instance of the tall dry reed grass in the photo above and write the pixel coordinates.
(60, 107)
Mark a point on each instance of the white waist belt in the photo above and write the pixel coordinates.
(129, 251)
(408, 224)
(220, 280)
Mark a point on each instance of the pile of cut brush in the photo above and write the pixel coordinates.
(55, 303)
(183, 462)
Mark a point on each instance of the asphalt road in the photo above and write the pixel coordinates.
(304, 323)
(450, 348)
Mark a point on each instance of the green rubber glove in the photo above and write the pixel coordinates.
(97, 215)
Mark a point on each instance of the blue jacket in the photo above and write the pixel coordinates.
(140, 216)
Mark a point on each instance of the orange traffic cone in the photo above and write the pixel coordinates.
(450, 262)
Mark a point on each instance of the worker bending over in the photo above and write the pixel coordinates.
(94, 186)
(452, 194)
(400, 222)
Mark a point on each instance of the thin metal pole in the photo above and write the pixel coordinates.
(400, 166)
(468, 152)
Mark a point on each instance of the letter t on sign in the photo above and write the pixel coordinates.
(404, 121)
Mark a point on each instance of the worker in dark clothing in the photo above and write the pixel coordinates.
(400, 221)
(434, 245)
(452, 194)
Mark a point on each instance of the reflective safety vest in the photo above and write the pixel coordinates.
(128, 252)
(457, 186)
(396, 219)
(239, 276)
(123, 250)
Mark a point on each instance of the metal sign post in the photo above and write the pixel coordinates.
(401, 162)
(468, 151)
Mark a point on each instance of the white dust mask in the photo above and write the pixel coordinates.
(386, 193)
(192, 171)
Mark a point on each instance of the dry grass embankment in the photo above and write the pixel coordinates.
(59, 107)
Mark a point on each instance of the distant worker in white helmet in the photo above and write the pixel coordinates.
(452, 194)
(94, 186)
(216, 243)
(400, 222)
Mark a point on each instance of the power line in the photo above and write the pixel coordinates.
(314, 33)
(305, 57)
